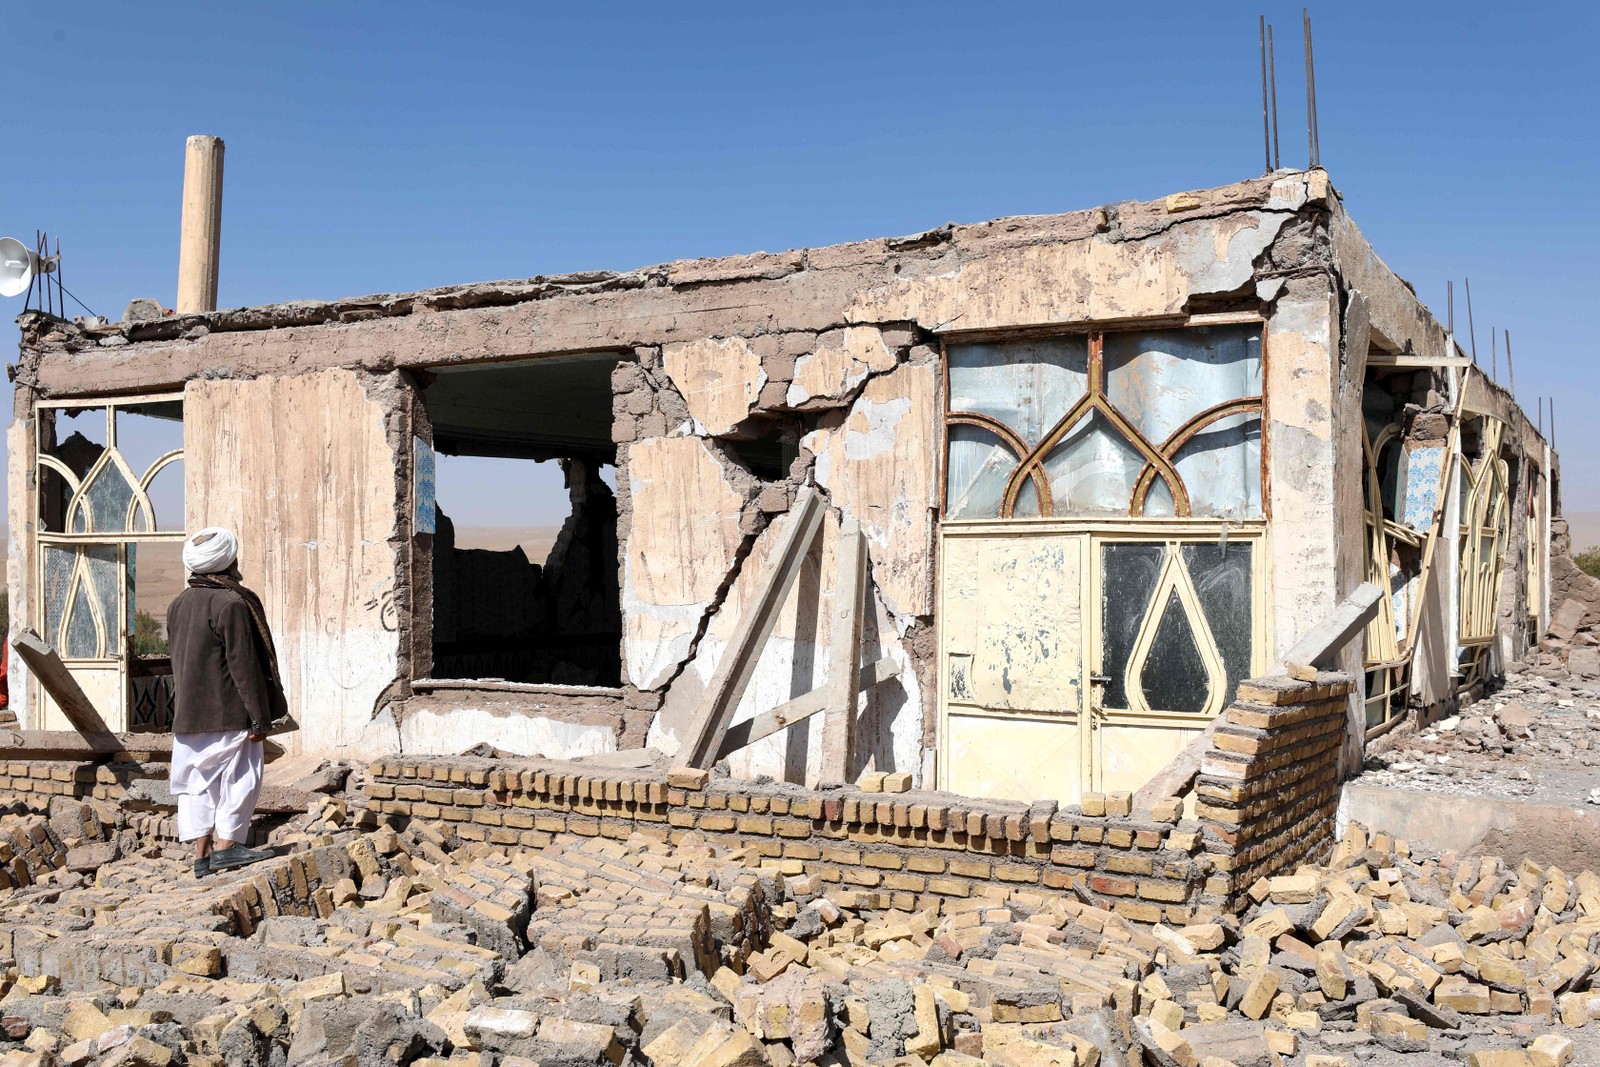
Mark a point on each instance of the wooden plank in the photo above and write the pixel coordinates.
(1411, 359)
(802, 707)
(844, 655)
(1324, 641)
(739, 662)
(45, 665)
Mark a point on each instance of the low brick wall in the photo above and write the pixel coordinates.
(1265, 800)
(905, 850)
(34, 782)
(1268, 790)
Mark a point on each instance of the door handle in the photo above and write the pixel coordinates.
(1099, 679)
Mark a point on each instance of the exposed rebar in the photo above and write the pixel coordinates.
(1272, 67)
(1472, 331)
(1266, 122)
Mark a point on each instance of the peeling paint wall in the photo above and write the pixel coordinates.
(303, 470)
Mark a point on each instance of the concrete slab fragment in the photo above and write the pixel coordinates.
(720, 379)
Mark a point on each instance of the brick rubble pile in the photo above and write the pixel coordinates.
(391, 945)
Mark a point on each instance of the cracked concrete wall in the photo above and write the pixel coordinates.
(21, 558)
(828, 359)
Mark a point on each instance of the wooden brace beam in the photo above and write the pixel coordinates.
(844, 655)
(744, 650)
(45, 665)
(802, 707)
(1324, 641)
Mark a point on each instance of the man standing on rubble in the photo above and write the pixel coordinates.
(227, 693)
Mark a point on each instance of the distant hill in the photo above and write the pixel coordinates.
(160, 564)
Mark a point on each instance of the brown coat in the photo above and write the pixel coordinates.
(219, 671)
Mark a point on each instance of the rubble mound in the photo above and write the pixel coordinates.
(392, 945)
(1517, 742)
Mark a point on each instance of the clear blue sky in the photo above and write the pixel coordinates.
(392, 147)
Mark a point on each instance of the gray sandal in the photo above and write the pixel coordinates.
(237, 856)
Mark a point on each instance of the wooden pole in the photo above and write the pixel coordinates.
(200, 242)
(844, 655)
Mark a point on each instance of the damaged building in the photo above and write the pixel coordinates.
(1100, 468)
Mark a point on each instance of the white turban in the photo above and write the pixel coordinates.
(211, 550)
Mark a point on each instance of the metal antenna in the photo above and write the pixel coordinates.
(1266, 121)
(1511, 374)
(1272, 66)
(1472, 331)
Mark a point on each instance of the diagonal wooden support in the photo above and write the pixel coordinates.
(711, 735)
(739, 662)
(785, 715)
(57, 680)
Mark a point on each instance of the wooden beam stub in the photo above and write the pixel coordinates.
(1325, 640)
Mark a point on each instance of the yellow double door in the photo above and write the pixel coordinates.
(1077, 657)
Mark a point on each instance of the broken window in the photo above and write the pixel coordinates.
(1139, 422)
(1533, 545)
(110, 531)
(1393, 553)
(1485, 521)
(524, 549)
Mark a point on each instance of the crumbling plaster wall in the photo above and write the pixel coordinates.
(833, 350)
(21, 509)
(874, 451)
(303, 469)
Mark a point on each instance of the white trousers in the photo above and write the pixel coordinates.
(217, 780)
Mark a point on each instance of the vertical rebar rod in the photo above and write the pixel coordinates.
(44, 258)
(1272, 67)
(1494, 356)
(1450, 305)
(1266, 121)
(1305, 33)
(1472, 331)
(1541, 416)
(1511, 374)
(1311, 73)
